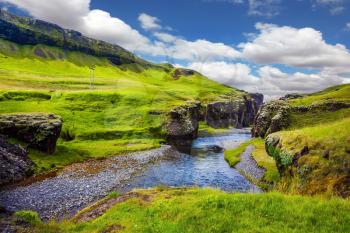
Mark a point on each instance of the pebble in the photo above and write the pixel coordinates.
(249, 166)
(67, 193)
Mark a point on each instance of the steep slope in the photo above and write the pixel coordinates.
(28, 31)
(313, 149)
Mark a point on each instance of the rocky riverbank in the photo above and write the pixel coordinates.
(80, 184)
(249, 167)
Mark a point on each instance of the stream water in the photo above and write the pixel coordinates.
(79, 185)
(204, 167)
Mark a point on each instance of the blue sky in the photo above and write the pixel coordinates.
(271, 46)
(223, 21)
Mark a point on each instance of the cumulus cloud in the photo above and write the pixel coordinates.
(269, 80)
(231, 74)
(77, 15)
(149, 22)
(303, 47)
(99, 24)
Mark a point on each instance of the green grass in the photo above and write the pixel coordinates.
(206, 210)
(27, 217)
(336, 93)
(233, 156)
(205, 130)
(263, 160)
(325, 168)
(124, 112)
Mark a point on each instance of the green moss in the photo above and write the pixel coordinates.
(27, 217)
(206, 210)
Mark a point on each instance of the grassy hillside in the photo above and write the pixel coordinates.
(205, 210)
(314, 151)
(124, 112)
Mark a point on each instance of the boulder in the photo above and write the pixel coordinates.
(182, 126)
(40, 131)
(14, 162)
(291, 96)
(272, 117)
(182, 72)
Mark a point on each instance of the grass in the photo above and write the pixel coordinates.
(325, 167)
(207, 210)
(124, 112)
(336, 93)
(233, 156)
(263, 160)
(206, 130)
(27, 217)
(261, 157)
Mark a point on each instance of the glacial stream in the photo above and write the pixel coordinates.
(81, 184)
(204, 167)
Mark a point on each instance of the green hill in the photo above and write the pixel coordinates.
(123, 109)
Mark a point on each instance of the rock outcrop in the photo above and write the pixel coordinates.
(183, 122)
(182, 72)
(40, 131)
(272, 117)
(238, 113)
(14, 162)
(182, 126)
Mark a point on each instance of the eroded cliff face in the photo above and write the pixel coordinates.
(183, 121)
(272, 117)
(236, 113)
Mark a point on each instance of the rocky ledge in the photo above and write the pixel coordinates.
(182, 124)
(238, 112)
(40, 131)
(14, 162)
(275, 115)
(272, 117)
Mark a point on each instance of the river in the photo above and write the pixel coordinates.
(79, 185)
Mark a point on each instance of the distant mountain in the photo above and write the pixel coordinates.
(28, 31)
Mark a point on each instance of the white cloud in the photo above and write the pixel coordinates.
(290, 46)
(201, 50)
(269, 80)
(347, 26)
(165, 37)
(149, 22)
(77, 15)
(67, 14)
(268, 8)
(235, 75)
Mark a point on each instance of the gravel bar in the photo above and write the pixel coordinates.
(80, 184)
(248, 165)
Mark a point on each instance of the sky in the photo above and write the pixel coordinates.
(274, 47)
